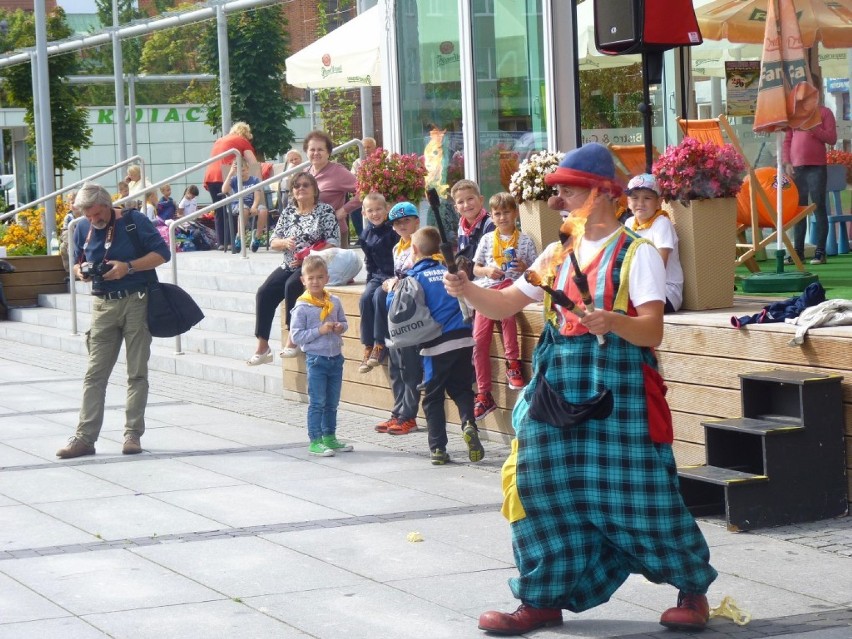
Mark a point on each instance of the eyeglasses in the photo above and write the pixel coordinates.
(302, 185)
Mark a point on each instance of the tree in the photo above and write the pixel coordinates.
(257, 48)
(71, 131)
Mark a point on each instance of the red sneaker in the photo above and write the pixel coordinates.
(383, 427)
(514, 374)
(483, 404)
(691, 613)
(520, 622)
(403, 427)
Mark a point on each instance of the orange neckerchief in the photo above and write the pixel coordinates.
(402, 245)
(500, 246)
(641, 226)
(325, 303)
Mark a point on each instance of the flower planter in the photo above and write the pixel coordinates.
(706, 231)
(540, 222)
(33, 275)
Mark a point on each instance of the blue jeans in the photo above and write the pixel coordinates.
(325, 377)
(810, 181)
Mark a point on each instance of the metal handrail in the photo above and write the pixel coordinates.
(136, 158)
(72, 247)
(238, 196)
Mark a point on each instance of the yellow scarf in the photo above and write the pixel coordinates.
(325, 303)
(641, 226)
(438, 257)
(402, 245)
(500, 246)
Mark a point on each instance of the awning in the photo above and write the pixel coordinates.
(346, 58)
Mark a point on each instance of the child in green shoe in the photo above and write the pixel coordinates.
(316, 325)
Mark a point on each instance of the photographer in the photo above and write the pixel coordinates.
(105, 256)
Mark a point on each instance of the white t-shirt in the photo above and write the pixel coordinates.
(484, 256)
(151, 212)
(662, 234)
(647, 275)
(188, 205)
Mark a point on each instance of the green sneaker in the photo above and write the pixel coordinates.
(318, 448)
(440, 457)
(331, 442)
(475, 451)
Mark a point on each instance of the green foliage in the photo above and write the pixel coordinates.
(609, 97)
(257, 48)
(68, 120)
(174, 51)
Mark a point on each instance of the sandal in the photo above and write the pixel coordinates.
(288, 352)
(260, 358)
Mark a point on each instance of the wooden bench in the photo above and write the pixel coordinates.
(33, 275)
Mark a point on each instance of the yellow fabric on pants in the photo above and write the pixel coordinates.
(113, 321)
(512, 509)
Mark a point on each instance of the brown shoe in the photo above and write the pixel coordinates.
(75, 448)
(131, 446)
(691, 613)
(523, 620)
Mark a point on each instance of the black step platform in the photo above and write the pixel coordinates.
(782, 462)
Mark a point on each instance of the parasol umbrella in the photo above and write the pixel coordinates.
(785, 97)
(825, 21)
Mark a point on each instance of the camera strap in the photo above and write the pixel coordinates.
(133, 234)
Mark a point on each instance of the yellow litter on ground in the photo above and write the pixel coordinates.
(414, 537)
(728, 608)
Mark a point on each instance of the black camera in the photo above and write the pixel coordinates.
(95, 271)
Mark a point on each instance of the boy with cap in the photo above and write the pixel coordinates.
(591, 505)
(653, 223)
(404, 366)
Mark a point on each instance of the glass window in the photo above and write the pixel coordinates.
(509, 75)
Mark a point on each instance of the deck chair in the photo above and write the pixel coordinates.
(716, 131)
(630, 159)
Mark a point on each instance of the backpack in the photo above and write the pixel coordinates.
(409, 321)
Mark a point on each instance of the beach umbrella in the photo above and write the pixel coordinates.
(825, 21)
(786, 96)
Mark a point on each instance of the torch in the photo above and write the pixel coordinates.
(581, 281)
(447, 249)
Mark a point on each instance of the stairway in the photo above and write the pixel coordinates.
(782, 462)
(224, 285)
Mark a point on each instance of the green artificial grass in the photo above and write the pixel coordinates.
(835, 276)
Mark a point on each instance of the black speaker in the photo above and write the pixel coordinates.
(642, 26)
(618, 25)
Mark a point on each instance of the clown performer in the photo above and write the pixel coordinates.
(590, 488)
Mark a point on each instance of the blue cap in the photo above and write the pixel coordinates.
(401, 210)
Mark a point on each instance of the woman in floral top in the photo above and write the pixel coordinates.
(304, 222)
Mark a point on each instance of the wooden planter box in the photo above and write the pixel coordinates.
(33, 275)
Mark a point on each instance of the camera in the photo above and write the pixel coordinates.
(95, 271)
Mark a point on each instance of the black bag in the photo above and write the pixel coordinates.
(548, 406)
(171, 310)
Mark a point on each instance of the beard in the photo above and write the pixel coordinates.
(100, 225)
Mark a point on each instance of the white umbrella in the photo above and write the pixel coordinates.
(346, 58)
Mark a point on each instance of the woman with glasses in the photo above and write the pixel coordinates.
(305, 222)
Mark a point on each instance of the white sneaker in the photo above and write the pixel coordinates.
(260, 358)
(288, 352)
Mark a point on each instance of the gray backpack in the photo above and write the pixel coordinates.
(409, 321)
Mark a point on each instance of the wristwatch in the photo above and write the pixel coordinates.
(130, 269)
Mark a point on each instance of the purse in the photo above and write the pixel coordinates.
(171, 310)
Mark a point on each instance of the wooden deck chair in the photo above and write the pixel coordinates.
(630, 159)
(716, 130)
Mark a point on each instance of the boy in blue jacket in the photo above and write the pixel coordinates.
(447, 360)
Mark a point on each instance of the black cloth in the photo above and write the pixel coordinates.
(452, 373)
(282, 284)
(784, 309)
(377, 242)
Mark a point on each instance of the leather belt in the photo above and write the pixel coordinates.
(120, 295)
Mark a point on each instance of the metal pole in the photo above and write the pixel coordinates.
(39, 134)
(366, 97)
(118, 74)
(131, 98)
(313, 109)
(224, 67)
(47, 136)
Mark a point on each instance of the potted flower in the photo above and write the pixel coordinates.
(700, 181)
(400, 178)
(528, 188)
(694, 170)
(842, 158)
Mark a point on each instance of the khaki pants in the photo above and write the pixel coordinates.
(113, 320)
